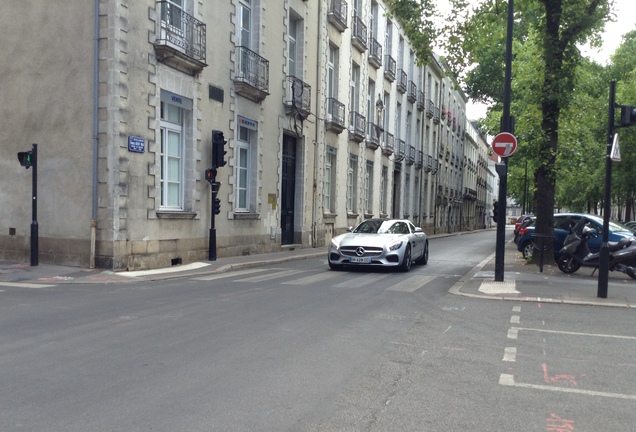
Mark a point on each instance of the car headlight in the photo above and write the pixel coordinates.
(395, 246)
(335, 244)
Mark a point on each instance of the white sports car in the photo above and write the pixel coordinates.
(380, 242)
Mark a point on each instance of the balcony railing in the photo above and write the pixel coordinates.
(389, 67)
(402, 80)
(388, 144)
(335, 115)
(429, 163)
(180, 39)
(430, 108)
(297, 97)
(401, 150)
(374, 135)
(410, 157)
(337, 14)
(375, 53)
(436, 115)
(359, 34)
(421, 101)
(419, 160)
(411, 93)
(252, 74)
(357, 124)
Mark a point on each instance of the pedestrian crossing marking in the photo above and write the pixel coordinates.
(312, 279)
(363, 281)
(411, 284)
(228, 275)
(276, 275)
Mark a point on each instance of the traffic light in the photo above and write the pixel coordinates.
(25, 159)
(210, 174)
(217, 206)
(628, 115)
(218, 149)
(495, 211)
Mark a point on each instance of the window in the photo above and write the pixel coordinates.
(407, 194)
(388, 37)
(371, 103)
(373, 28)
(352, 173)
(384, 183)
(368, 188)
(332, 75)
(245, 23)
(171, 156)
(330, 181)
(355, 85)
(243, 165)
(416, 195)
(171, 13)
(294, 37)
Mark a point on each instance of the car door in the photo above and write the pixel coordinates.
(418, 243)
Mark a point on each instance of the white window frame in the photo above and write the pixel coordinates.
(242, 169)
(352, 183)
(330, 180)
(384, 183)
(292, 35)
(169, 161)
(368, 188)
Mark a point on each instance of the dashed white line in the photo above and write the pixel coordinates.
(510, 354)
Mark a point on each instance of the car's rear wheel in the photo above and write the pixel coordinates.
(527, 250)
(406, 262)
(424, 258)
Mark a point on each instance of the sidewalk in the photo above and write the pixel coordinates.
(522, 281)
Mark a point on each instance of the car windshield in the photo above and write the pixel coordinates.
(382, 227)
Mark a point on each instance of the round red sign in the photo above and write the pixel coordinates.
(504, 144)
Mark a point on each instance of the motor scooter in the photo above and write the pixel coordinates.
(576, 253)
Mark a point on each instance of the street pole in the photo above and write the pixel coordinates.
(34, 207)
(603, 268)
(503, 177)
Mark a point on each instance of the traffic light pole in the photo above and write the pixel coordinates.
(212, 239)
(34, 207)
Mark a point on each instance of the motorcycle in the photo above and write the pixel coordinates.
(576, 253)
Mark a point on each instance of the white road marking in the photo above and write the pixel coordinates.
(577, 333)
(308, 280)
(24, 285)
(175, 269)
(516, 309)
(228, 275)
(509, 380)
(510, 354)
(513, 333)
(515, 319)
(411, 284)
(269, 276)
(362, 281)
(496, 287)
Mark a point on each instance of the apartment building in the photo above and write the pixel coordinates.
(328, 120)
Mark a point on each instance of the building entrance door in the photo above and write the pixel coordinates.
(288, 191)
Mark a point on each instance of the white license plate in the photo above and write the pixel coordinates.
(360, 260)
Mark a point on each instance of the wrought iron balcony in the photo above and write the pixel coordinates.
(180, 40)
(357, 123)
(375, 53)
(421, 101)
(411, 93)
(359, 34)
(389, 67)
(430, 109)
(435, 167)
(419, 160)
(436, 115)
(388, 144)
(402, 80)
(374, 135)
(337, 14)
(443, 112)
(335, 115)
(251, 76)
(401, 150)
(410, 157)
(297, 97)
(429, 163)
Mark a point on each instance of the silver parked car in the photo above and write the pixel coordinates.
(380, 242)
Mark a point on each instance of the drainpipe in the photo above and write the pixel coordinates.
(316, 207)
(95, 130)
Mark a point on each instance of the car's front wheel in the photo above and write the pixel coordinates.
(407, 260)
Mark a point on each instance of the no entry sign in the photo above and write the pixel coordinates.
(504, 144)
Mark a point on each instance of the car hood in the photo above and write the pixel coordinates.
(359, 239)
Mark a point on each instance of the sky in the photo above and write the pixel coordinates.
(626, 21)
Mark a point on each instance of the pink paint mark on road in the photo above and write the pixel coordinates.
(554, 423)
(557, 378)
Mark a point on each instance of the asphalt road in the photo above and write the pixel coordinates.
(297, 347)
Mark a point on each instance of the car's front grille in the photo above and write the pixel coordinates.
(361, 251)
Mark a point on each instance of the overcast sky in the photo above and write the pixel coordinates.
(626, 21)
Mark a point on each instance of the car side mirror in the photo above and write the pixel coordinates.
(418, 229)
(350, 229)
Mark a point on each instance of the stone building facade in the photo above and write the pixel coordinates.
(328, 120)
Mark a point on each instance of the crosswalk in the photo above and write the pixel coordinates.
(345, 280)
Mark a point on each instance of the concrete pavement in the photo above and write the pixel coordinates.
(522, 281)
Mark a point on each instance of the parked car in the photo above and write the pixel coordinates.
(380, 242)
(562, 223)
(528, 220)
